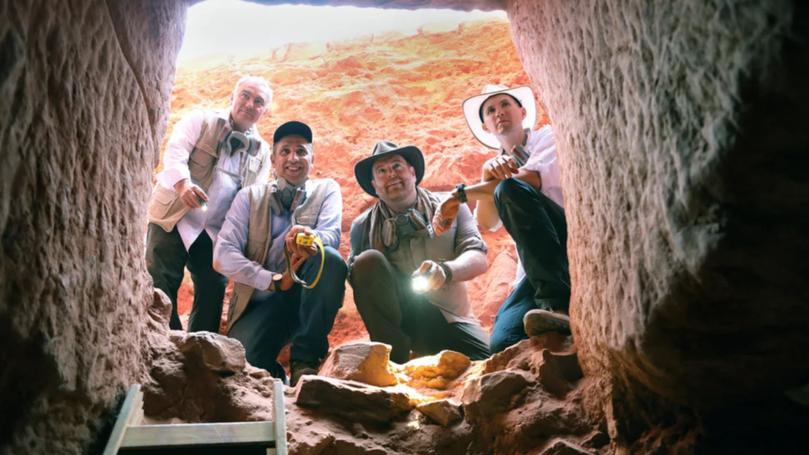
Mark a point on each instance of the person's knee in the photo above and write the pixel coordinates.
(508, 191)
(335, 264)
(366, 263)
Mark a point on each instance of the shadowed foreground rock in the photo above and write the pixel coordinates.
(443, 403)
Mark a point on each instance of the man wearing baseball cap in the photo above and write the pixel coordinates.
(520, 189)
(257, 249)
(409, 283)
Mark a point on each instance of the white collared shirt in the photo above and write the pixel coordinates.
(226, 181)
(542, 159)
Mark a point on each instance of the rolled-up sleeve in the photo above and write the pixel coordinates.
(182, 140)
(228, 254)
(467, 236)
(329, 220)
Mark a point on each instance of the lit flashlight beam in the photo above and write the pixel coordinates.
(419, 283)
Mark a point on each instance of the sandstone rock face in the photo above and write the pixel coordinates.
(680, 128)
(444, 412)
(366, 362)
(353, 400)
(213, 351)
(436, 371)
(85, 90)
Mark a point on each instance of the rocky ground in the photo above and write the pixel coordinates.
(526, 399)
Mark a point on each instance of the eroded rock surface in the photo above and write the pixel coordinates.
(366, 362)
(85, 91)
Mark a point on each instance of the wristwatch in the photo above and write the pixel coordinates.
(447, 271)
(275, 283)
(461, 189)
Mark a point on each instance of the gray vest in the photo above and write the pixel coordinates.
(259, 232)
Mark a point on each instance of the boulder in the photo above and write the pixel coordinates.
(215, 352)
(365, 362)
(352, 400)
(444, 412)
(493, 393)
(436, 371)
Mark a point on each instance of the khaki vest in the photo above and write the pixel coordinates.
(166, 208)
(259, 232)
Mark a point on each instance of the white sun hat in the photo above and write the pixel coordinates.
(471, 110)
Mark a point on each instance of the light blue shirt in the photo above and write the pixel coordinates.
(229, 252)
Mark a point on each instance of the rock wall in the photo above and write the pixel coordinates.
(682, 139)
(681, 135)
(84, 89)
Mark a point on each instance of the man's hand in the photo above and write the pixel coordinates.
(293, 247)
(445, 214)
(433, 273)
(296, 261)
(190, 194)
(500, 167)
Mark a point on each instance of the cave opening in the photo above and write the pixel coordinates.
(682, 126)
(358, 75)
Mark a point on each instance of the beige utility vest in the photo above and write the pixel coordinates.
(259, 231)
(165, 206)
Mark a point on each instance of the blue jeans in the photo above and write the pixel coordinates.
(539, 229)
(302, 316)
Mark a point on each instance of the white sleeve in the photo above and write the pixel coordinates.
(182, 140)
(228, 252)
(543, 159)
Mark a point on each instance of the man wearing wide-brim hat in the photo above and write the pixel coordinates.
(393, 249)
(520, 188)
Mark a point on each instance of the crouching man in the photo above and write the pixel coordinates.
(520, 189)
(392, 243)
(271, 305)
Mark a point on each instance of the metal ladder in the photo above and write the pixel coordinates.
(128, 433)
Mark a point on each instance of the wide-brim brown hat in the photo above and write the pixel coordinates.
(363, 170)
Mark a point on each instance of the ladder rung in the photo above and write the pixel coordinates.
(196, 434)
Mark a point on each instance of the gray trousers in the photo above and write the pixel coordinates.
(393, 314)
(166, 258)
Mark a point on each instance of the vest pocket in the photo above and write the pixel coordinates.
(201, 163)
(161, 203)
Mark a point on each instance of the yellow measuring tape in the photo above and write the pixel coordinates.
(306, 240)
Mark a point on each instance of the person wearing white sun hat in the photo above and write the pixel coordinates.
(520, 189)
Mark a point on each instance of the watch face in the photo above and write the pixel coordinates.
(277, 277)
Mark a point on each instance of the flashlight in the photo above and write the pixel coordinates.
(203, 204)
(419, 283)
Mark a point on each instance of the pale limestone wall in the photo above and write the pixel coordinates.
(682, 134)
(84, 89)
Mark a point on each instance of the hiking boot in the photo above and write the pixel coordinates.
(537, 322)
(300, 368)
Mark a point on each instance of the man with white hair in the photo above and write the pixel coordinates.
(520, 189)
(209, 157)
